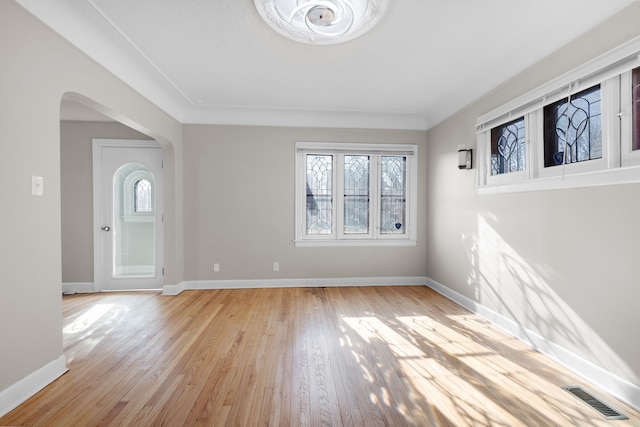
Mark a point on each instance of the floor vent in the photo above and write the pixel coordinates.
(606, 411)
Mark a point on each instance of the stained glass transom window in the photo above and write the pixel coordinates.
(508, 150)
(576, 125)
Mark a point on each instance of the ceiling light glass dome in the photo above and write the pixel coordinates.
(321, 21)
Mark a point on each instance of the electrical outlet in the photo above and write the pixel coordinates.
(216, 267)
(276, 266)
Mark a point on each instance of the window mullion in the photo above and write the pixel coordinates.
(610, 123)
(533, 130)
(338, 196)
(374, 197)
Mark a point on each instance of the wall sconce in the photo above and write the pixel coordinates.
(464, 157)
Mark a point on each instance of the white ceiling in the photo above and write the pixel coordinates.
(217, 62)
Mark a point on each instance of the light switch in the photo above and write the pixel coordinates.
(37, 183)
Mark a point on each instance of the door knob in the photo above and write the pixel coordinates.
(106, 228)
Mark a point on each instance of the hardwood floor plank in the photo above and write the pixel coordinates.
(299, 357)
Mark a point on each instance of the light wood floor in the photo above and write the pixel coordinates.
(299, 357)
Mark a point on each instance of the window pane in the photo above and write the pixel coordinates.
(142, 196)
(635, 85)
(577, 126)
(507, 148)
(319, 193)
(392, 194)
(356, 194)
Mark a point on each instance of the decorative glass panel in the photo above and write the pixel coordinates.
(576, 125)
(508, 152)
(393, 194)
(356, 194)
(635, 96)
(319, 194)
(142, 201)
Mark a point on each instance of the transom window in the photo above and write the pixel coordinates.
(581, 129)
(508, 148)
(573, 130)
(349, 194)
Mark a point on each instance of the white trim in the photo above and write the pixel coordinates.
(386, 241)
(629, 175)
(19, 392)
(611, 383)
(172, 290)
(78, 288)
(357, 148)
(293, 283)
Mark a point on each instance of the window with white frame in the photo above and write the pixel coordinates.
(355, 194)
(581, 129)
(508, 150)
(635, 99)
(573, 130)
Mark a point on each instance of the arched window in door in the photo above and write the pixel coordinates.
(142, 201)
(138, 193)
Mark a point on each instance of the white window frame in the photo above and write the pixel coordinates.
(629, 156)
(509, 177)
(337, 236)
(619, 163)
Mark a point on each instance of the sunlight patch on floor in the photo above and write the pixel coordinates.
(87, 319)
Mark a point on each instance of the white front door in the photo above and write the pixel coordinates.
(128, 229)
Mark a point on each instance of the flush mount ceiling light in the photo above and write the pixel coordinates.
(321, 21)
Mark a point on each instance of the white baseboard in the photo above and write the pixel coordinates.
(293, 283)
(173, 289)
(611, 383)
(77, 288)
(17, 393)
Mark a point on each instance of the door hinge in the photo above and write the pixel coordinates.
(163, 271)
(162, 164)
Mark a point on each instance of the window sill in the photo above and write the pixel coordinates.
(361, 242)
(626, 175)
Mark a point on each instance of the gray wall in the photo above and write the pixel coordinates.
(560, 263)
(38, 68)
(239, 207)
(76, 190)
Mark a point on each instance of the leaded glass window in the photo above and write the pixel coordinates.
(508, 150)
(576, 126)
(142, 200)
(393, 194)
(356, 194)
(319, 194)
(635, 96)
